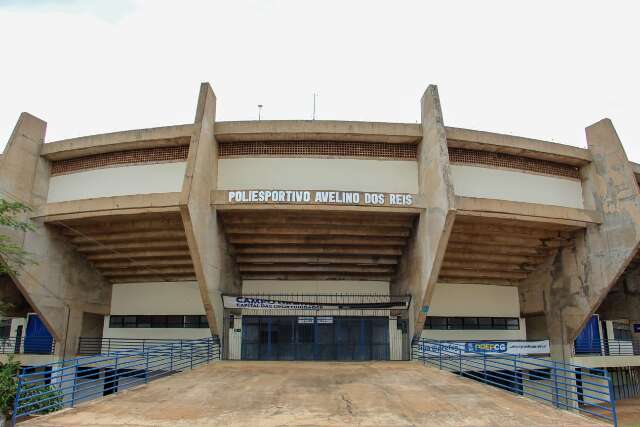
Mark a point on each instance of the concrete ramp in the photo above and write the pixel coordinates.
(313, 394)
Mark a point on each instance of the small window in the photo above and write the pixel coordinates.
(438, 322)
(204, 323)
(454, 323)
(130, 322)
(175, 321)
(158, 321)
(513, 323)
(191, 321)
(116, 321)
(485, 323)
(470, 323)
(144, 321)
(499, 323)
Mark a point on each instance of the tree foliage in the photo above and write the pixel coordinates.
(8, 384)
(12, 254)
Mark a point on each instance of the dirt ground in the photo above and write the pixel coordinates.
(313, 394)
(628, 412)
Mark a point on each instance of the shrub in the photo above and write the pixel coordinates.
(8, 383)
(40, 398)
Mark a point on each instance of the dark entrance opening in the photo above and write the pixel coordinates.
(315, 338)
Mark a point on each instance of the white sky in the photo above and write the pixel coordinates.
(542, 69)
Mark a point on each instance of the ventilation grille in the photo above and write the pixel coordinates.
(318, 149)
(129, 157)
(501, 160)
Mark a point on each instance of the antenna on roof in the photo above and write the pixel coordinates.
(259, 111)
(314, 106)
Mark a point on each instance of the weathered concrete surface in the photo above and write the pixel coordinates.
(318, 130)
(623, 300)
(419, 269)
(207, 245)
(61, 285)
(314, 394)
(577, 279)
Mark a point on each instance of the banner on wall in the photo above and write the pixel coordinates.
(231, 301)
(469, 348)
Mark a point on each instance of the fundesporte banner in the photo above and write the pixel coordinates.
(469, 348)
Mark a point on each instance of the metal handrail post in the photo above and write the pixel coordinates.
(460, 358)
(171, 360)
(555, 382)
(16, 402)
(75, 384)
(612, 399)
(484, 359)
(146, 367)
(440, 353)
(191, 356)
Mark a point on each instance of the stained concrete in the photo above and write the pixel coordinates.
(313, 394)
(419, 269)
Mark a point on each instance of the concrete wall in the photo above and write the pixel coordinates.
(117, 181)
(318, 174)
(314, 287)
(491, 183)
(159, 298)
(455, 299)
(156, 298)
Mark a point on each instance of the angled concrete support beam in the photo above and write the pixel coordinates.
(420, 265)
(61, 285)
(207, 245)
(572, 285)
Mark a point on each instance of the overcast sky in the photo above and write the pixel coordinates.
(542, 69)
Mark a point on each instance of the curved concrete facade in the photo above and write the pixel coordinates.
(383, 203)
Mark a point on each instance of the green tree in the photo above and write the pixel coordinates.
(12, 256)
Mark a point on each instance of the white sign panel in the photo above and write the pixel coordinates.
(317, 197)
(259, 303)
(490, 347)
(232, 301)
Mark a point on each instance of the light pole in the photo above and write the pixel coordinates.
(259, 111)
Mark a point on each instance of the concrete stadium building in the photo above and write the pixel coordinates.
(325, 240)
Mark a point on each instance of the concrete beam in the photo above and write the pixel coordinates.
(518, 146)
(572, 284)
(317, 130)
(420, 267)
(207, 245)
(166, 136)
(61, 285)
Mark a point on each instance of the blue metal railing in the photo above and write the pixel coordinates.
(90, 346)
(608, 348)
(565, 386)
(50, 387)
(27, 345)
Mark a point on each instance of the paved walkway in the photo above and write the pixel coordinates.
(313, 394)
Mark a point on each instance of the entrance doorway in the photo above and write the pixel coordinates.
(315, 338)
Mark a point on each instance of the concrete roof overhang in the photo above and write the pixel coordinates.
(315, 130)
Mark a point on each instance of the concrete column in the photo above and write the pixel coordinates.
(207, 245)
(60, 285)
(420, 266)
(572, 284)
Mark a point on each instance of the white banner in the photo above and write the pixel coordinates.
(234, 301)
(259, 303)
(469, 348)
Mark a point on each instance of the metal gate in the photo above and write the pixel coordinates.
(315, 338)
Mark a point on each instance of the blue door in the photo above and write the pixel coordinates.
(37, 340)
(589, 340)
